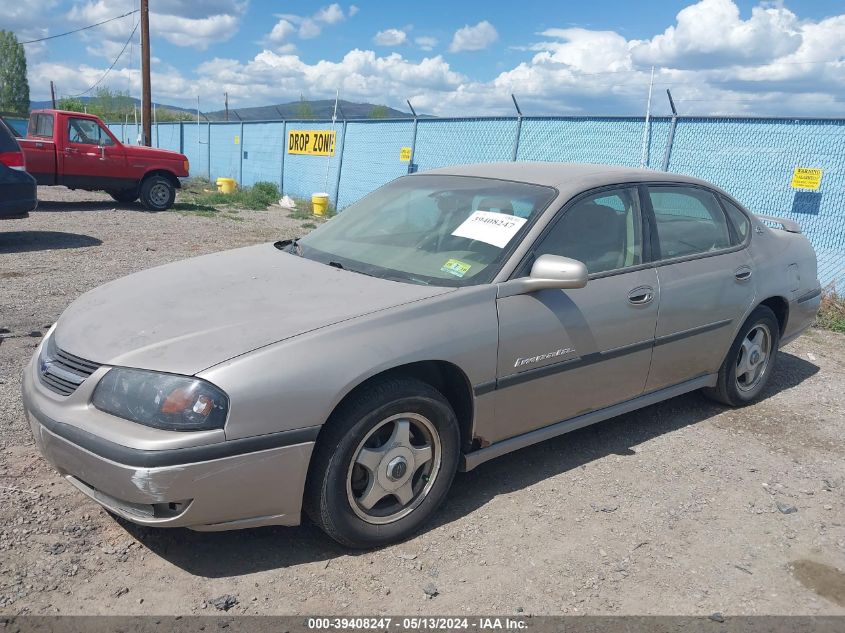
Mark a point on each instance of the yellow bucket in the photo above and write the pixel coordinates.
(226, 185)
(320, 203)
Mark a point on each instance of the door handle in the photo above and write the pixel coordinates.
(641, 295)
(742, 274)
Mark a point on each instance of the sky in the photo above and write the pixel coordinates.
(450, 58)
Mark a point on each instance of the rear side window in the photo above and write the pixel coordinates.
(739, 220)
(41, 125)
(7, 140)
(689, 221)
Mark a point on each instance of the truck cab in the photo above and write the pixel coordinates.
(78, 151)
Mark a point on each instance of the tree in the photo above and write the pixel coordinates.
(379, 112)
(304, 109)
(14, 87)
(71, 104)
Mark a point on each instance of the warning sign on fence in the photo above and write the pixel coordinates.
(405, 154)
(311, 142)
(806, 178)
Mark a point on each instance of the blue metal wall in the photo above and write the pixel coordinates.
(753, 159)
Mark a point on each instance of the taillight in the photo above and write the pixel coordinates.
(13, 160)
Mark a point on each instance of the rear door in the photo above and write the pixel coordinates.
(704, 272)
(92, 158)
(563, 353)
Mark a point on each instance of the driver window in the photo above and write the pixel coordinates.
(601, 230)
(86, 132)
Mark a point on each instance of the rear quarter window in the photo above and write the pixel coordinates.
(41, 125)
(738, 219)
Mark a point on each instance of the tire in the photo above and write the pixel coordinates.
(761, 334)
(353, 503)
(124, 195)
(157, 193)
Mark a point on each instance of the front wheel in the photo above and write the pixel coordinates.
(157, 193)
(383, 464)
(750, 361)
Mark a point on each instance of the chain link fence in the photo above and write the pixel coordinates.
(751, 158)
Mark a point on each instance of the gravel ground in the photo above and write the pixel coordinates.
(681, 508)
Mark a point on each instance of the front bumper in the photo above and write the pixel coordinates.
(212, 489)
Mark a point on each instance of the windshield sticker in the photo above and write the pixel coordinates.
(490, 227)
(456, 267)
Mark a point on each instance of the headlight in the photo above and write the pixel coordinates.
(162, 401)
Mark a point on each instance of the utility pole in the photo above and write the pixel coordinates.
(146, 98)
(226, 104)
(53, 93)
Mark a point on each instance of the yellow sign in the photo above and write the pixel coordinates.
(405, 154)
(807, 178)
(237, 140)
(311, 142)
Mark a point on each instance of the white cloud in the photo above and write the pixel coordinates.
(474, 38)
(312, 26)
(568, 70)
(281, 31)
(711, 33)
(426, 42)
(391, 37)
(331, 14)
(197, 24)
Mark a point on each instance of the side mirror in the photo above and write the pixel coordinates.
(548, 271)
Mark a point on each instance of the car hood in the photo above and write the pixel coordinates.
(190, 315)
(140, 151)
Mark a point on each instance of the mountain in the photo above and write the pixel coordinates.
(320, 109)
(37, 105)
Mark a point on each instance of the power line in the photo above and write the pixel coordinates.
(90, 26)
(105, 74)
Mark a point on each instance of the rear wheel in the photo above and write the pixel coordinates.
(383, 464)
(750, 361)
(157, 193)
(124, 195)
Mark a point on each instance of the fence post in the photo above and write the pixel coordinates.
(412, 167)
(284, 151)
(340, 164)
(518, 129)
(241, 161)
(208, 150)
(181, 137)
(668, 153)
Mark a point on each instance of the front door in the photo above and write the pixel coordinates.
(705, 276)
(563, 353)
(92, 159)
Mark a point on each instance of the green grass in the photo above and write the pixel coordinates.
(199, 197)
(832, 311)
(203, 196)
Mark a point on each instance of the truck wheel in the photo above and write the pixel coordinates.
(157, 193)
(383, 463)
(124, 195)
(750, 361)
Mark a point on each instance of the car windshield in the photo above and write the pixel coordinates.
(429, 229)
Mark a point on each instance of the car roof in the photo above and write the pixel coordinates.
(567, 178)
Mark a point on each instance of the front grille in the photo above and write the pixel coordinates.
(62, 372)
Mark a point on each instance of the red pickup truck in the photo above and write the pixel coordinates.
(78, 151)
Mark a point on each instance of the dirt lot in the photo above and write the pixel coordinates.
(681, 508)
